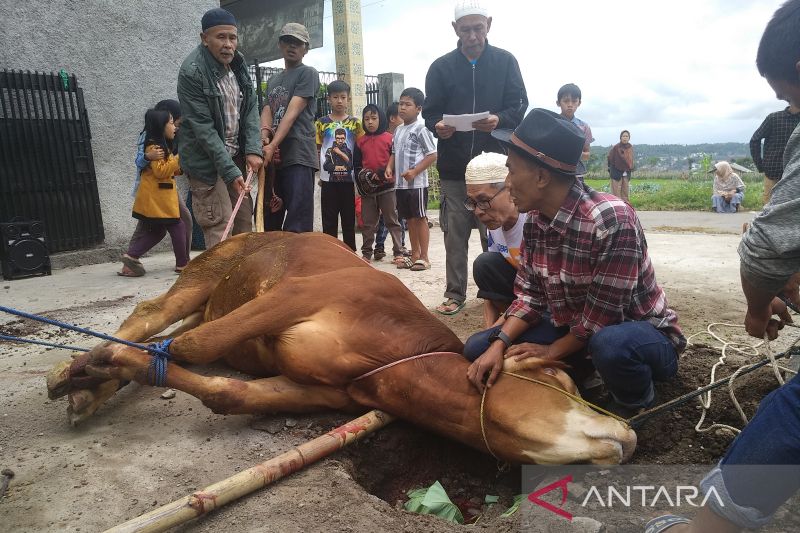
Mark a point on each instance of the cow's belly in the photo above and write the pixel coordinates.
(315, 352)
(253, 357)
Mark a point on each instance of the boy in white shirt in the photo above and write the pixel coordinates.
(413, 151)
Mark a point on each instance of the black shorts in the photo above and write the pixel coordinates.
(412, 203)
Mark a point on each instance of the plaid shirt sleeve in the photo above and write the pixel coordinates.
(531, 300)
(755, 142)
(616, 273)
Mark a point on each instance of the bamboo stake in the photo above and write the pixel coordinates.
(260, 199)
(252, 479)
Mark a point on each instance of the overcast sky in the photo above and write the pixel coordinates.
(670, 72)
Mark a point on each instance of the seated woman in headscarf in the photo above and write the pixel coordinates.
(728, 189)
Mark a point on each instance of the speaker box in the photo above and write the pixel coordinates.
(24, 251)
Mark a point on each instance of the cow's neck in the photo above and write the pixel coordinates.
(432, 392)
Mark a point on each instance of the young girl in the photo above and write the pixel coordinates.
(372, 153)
(142, 161)
(156, 203)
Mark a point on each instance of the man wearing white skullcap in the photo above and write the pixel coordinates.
(494, 271)
(473, 78)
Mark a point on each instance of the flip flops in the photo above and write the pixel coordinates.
(420, 264)
(134, 266)
(663, 523)
(446, 307)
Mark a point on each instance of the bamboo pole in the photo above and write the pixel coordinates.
(252, 479)
(260, 199)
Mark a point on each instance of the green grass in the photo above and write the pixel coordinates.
(662, 192)
(672, 193)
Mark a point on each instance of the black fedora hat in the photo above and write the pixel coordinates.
(549, 139)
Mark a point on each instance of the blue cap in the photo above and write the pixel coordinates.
(217, 17)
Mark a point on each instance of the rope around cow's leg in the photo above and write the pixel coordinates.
(160, 356)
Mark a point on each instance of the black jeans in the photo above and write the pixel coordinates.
(339, 200)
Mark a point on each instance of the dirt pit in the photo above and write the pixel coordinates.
(403, 457)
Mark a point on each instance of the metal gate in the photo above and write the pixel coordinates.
(46, 164)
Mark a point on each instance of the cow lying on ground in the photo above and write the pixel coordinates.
(308, 312)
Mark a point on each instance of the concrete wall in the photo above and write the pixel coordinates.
(126, 56)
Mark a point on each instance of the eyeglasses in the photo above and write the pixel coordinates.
(471, 204)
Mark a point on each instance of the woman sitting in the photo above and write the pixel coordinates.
(728, 189)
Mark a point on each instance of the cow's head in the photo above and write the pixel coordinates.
(527, 422)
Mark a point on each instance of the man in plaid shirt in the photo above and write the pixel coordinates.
(775, 132)
(585, 282)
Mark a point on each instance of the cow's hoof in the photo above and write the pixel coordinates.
(58, 380)
(84, 403)
(81, 404)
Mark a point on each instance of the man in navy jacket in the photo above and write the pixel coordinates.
(473, 78)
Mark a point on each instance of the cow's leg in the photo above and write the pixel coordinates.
(225, 395)
(267, 315)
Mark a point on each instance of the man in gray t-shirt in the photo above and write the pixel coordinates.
(287, 128)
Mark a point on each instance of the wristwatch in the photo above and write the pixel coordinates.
(499, 335)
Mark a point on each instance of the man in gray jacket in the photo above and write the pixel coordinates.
(220, 140)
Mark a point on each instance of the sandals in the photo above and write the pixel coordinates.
(450, 307)
(128, 273)
(663, 523)
(420, 264)
(135, 269)
(403, 262)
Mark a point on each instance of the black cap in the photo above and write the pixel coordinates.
(549, 139)
(217, 17)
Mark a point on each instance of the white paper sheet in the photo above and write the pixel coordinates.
(464, 122)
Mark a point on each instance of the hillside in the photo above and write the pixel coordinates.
(676, 157)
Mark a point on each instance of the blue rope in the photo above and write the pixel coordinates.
(159, 351)
(153, 348)
(157, 371)
(41, 343)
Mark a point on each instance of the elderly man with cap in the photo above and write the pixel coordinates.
(220, 140)
(494, 270)
(289, 136)
(585, 282)
(475, 77)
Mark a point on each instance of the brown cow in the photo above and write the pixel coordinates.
(304, 309)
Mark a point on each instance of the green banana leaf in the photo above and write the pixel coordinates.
(433, 500)
(514, 506)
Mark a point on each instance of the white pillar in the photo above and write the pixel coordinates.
(349, 46)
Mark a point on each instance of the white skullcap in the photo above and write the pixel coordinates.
(469, 7)
(486, 168)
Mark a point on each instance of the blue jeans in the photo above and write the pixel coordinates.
(628, 356)
(294, 184)
(542, 333)
(751, 494)
(383, 231)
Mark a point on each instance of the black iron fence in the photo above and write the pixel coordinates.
(261, 77)
(47, 171)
